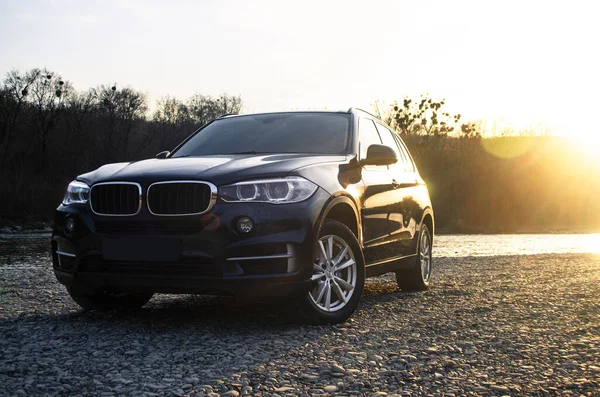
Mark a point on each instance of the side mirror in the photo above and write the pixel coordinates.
(163, 155)
(379, 155)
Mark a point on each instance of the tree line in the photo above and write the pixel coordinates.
(50, 132)
(507, 183)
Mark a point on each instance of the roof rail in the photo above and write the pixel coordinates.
(364, 111)
(227, 114)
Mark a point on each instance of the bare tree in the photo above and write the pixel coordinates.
(48, 93)
(80, 108)
(121, 109)
(422, 117)
(206, 108)
(385, 116)
(170, 118)
(13, 94)
(230, 104)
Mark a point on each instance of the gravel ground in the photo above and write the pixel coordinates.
(490, 326)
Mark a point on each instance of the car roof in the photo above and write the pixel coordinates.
(348, 111)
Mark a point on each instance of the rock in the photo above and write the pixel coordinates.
(500, 389)
(408, 357)
(330, 388)
(338, 369)
(571, 366)
(284, 389)
(309, 377)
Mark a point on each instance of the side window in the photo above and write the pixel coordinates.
(391, 139)
(410, 164)
(367, 136)
(388, 140)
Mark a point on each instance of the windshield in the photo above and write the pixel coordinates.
(322, 133)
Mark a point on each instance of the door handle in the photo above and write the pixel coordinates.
(399, 185)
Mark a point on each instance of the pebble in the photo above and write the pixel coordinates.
(500, 389)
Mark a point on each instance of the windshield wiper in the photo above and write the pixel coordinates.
(226, 154)
(252, 152)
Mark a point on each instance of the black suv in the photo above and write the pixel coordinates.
(296, 204)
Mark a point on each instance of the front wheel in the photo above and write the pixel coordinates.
(338, 275)
(108, 300)
(418, 278)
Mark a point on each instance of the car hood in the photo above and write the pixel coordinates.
(219, 170)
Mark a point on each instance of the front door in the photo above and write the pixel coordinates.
(404, 213)
(376, 200)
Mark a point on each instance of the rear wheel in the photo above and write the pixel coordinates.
(419, 277)
(108, 300)
(338, 275)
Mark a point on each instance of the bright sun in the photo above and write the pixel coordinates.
(589, 145)
(588, 137)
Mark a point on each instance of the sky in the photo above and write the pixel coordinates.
(521, 64)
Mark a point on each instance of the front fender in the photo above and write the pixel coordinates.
(337, 199)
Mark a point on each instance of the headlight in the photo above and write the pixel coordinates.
(276, 191)
(77, 193)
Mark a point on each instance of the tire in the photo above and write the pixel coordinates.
(103, 300)
(419, 277)
(337, 284)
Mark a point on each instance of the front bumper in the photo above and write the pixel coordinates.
(274, 259)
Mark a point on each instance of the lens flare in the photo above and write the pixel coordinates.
(508, 147)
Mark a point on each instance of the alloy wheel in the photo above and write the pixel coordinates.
(334, 274)
(425, 256)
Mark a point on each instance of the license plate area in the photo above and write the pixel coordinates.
(141, 249)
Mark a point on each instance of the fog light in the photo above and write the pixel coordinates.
(70, 226)
(244, 225)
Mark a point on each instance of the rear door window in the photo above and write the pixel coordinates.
(387, 136)
(410, 164)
